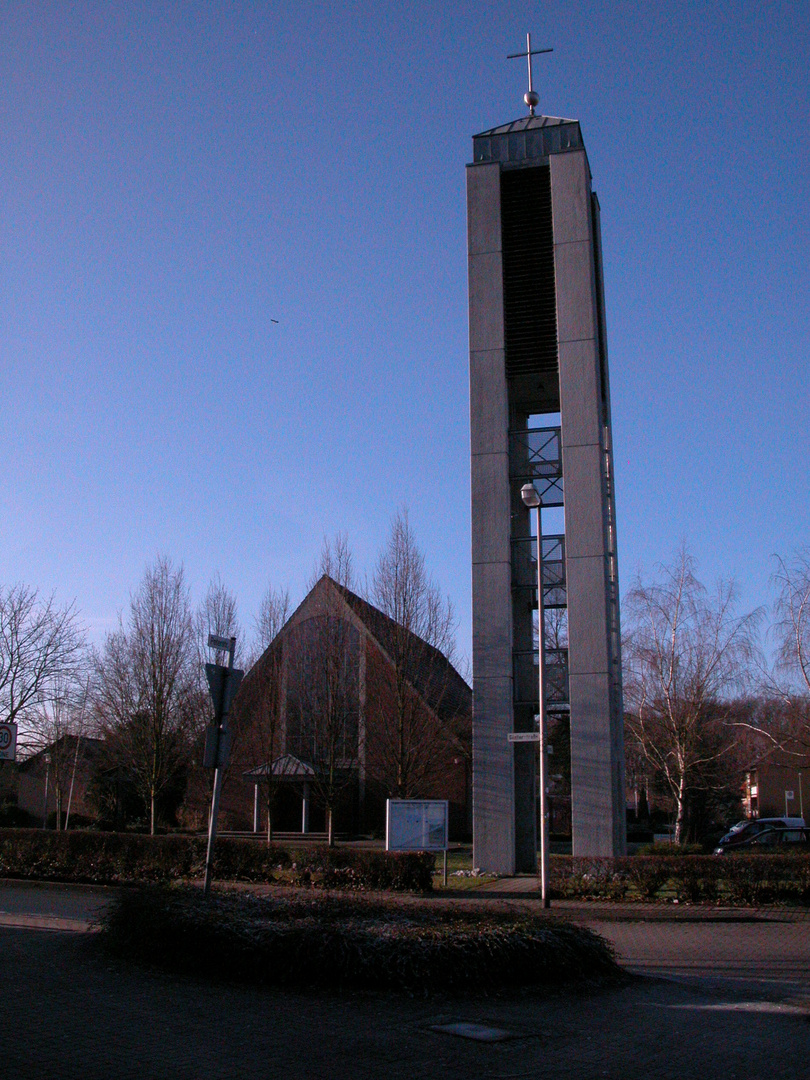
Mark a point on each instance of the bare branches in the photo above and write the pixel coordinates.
(146, 684)
(408, 688)
(792, 618)
(685, 653)
(259, 709)
(218, 614)
(273, 613)
(402, 588)
(42, 646)
(323, 671)
(336, 561)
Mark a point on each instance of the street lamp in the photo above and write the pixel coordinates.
(532, 500)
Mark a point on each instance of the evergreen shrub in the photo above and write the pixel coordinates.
(709, 879)
(131, 858)
(325, 941)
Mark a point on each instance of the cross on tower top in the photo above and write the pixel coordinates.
(531, 97)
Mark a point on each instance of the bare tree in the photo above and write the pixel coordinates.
(412, 693)
(56, 727)
(42, 647)
(274, 611)
(323, 699)
(217, 614)
(790, 683)
(146, 689)
(259, 706)
(686, 650)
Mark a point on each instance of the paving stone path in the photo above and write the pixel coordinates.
(73, 1012)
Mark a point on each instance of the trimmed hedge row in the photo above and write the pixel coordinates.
(327, 941)
(127, 858)
(730, 879)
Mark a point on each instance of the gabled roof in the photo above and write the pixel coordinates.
(89, 750)
(429, 672)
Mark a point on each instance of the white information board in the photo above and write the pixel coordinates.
(416, 824)
(8, 742)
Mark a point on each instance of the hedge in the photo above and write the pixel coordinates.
(729, 879)
(326, 941)
(129, 858)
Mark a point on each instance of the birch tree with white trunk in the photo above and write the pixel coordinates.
(686, 652)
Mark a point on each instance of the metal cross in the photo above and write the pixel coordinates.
(531, 97)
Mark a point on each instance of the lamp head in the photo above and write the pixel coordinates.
(530, 497)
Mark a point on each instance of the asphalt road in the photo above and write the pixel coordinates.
(730, 1000)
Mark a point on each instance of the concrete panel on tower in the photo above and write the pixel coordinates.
(484, 209)
(587, 616)
(576, 299)
(592, 768)
(493, 776)
(580, 392)
(584, 496)
(490, 497)
(485, 283)
(492, 637)
(489, 403)
(570, 194)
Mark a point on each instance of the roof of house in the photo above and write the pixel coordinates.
(89, 749)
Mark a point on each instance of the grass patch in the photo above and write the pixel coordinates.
(342, 942)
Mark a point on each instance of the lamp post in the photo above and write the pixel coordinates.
(532, 500)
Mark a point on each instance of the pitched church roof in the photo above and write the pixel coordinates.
(427, 669)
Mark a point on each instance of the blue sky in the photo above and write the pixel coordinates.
(176, 175)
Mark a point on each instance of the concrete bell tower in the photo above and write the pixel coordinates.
(540, 413)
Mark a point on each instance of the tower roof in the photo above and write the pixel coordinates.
(527, 141)
(526, 123)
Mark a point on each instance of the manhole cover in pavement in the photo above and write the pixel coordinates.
(479, 1032)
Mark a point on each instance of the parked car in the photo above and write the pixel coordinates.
(766, 834)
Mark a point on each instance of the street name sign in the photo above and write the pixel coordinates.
(523, 736)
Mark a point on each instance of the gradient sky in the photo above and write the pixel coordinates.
(176, 175)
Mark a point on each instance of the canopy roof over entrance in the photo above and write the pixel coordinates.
(288, 767)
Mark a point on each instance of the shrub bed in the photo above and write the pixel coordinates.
(330, 942)
(127, 858)
(730, 879)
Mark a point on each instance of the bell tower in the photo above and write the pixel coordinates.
(540, 413)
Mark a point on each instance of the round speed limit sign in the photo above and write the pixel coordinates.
(8, 742)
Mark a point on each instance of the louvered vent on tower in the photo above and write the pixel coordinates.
(530, 306)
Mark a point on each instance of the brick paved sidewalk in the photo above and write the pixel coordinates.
(734, 1003)
(76, 1014)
